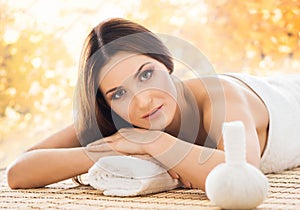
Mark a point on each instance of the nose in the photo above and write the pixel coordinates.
(143, 100)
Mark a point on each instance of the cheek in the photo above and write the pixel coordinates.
(168, 90)
(166, 84)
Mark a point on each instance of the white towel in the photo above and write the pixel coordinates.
(129, 176)
(281, 95)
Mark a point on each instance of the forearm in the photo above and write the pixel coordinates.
(191, 162)
(45, 166)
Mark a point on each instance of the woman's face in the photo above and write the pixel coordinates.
(139, 89)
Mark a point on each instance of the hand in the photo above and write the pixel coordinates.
(126, 141)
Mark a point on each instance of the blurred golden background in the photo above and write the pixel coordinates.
(40, 44)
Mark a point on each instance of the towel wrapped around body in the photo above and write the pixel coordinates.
(129, 176)
(281, 96)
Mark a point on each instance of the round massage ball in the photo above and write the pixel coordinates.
(236, 184)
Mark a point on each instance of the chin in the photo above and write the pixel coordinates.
(159, 126)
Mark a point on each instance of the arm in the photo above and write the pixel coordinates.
(54, 159)
(41, 167)
(190, 161)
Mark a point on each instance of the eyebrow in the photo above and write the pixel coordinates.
(139, 70)
(135, 75)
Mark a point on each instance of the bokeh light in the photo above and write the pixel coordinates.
(40, 45)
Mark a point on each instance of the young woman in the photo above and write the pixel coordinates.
(129, 103)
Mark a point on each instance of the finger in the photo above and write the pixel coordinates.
(186, 183)
(98, 142)
(99, 148)
(173, 174)
(103, 141)
(124, 130)
(145, 157)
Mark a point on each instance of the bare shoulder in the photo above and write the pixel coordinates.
(223, 98)
(205, 87)
(226, 91)
(213, 89)
(212, 84)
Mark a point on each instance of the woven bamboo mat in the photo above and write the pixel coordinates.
(284, 193)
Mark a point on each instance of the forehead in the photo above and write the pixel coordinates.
(121, 60)
(120, 67)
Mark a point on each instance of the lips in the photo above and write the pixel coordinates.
(152, 112)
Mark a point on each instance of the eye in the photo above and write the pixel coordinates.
(145, 75)
(118, 94)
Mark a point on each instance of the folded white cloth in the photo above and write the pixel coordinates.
(281, 95)
(129, 176)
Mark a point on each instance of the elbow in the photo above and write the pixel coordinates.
(19, 174)
(15, 177)
(12, 177)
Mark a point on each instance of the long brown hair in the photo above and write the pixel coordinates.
(94, 118)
